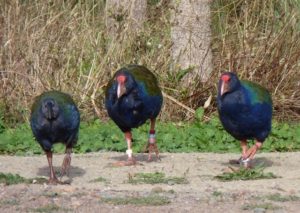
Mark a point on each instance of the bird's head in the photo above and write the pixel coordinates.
(50, 108)
(125, 83)
(228, 82)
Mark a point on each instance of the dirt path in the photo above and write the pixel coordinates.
(203, 193)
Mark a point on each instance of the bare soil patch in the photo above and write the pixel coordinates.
(95, 185)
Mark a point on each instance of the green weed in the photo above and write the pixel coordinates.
(246, 174)
(151, 200)
(217, 194)
(155, 178)
(171, 137)
(281, 198)
(99, 179)
(10, 202)
(49, 208)
(267, 206)
(10, 179)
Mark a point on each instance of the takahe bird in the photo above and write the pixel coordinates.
(55, 118)
(132, 97)
(245, 110)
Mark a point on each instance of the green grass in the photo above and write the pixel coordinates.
(50, 208)
(217, 194)
(10, 179)
(10, 202)
(155, 178)
(266, 206)
(281, 198)
(246, 174)
(171, 137)
(151, 200)
(99, 179)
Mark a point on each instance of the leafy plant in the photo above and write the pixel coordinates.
(151, 200)
(10, 179)
(199, 136)
(155, 178)
(245, 174)
(99, 179)
(281, 198)
(49, 208)
(267, 206)
(11, 202)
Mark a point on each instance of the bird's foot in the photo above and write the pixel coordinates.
(246, 163)
(54, 181)
(241, 161)
(130, 162)
(65, 168)
(152, 147)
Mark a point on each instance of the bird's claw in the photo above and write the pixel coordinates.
(130, 162)
(245, 162)
(241, 161)
(152, 147)
(54, 181)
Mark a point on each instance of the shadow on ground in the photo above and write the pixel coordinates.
(73, 172)
(259, 161)
(139, 157)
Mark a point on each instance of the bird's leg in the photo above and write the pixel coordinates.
(66, 162)
(242, 159)
(152, 146)
(248, 154)
(52, 179)
(252, 151)
(244, 147)
(130, 161)
(128, 138)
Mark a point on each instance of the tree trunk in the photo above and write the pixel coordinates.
(191, 36)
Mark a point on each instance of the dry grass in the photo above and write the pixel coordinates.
(64, 45)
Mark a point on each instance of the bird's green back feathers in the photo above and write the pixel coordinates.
(143, 75)
(61, 98)
(257, 93)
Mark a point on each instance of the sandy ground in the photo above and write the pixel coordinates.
(203, 193)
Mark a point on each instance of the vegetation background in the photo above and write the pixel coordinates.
(65, 45)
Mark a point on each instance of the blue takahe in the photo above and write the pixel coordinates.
(245, 110)
(55, 118)
(132, 97)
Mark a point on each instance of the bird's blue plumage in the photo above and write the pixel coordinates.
(54, 118)
(141, 101)
(245, 109)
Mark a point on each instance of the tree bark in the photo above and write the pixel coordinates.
(191, 36)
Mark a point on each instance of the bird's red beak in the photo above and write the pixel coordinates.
(121, 85)
(225, 84)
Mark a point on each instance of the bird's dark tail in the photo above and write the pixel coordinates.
(50, 109)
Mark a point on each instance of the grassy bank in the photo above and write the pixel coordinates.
(171, 137)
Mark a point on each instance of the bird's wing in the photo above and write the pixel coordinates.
(257, 93)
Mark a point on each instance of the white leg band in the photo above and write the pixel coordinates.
(129, 152)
